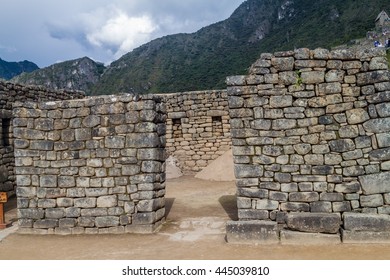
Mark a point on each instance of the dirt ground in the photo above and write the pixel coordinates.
(197, 211)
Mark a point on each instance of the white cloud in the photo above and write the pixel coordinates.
(45, 31)
(118, 32)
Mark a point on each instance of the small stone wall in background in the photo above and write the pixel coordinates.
(198, 128)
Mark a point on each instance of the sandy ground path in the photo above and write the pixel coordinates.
(197, 211)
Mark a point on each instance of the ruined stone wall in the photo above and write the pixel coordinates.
(198, 128)
(311, 144)
(10, 93)
(90, 166)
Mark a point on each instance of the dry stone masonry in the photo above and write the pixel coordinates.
(311, 144)
(198, 128)
(90, 166)
(309, 129)
(10, 93)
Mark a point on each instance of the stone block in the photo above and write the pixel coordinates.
(67, 223)
(365, 237)
(85, 202)
(48, 181)
(46, 223)
(66, 181)
(26, 192)
(94, 212)
(366, 222)
(303, 196)
(295, 206)
(288, 237)
(252, 232)
(351, 187)
(313, 77)
(281, 101)
(331, 197)
(31, 213)
(383, 109)
(107, 201)
(314, 222)
(266, 204)
(342, 206)
(341, 146)
(54, 213)
(130, 170)
(383, 140)
(252, 214)
(42, 145)
(144, 218)
(375, 183)
(321, 207)
(151, 167)
(248, 171)
(372, 77)
(115, 142)
(72, 212)
(109, 221)
(283, 63)
(377, 125)
(374, 200)
(380, 154)
(142, 140)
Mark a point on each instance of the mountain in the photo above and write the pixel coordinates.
(78, 74)
(203, 59)
(9, 70)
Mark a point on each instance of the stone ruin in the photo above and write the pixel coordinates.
(309, 130)
(311, 145)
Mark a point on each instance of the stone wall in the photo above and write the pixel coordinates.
(311, 144)
(90, 166)
(198, 128)
(10, 93)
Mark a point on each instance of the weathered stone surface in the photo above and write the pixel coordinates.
(247, 171)
(372, 77)
(314, 222)
(289, 237)
(107, 201)
(365, 237)
(341, 145)
(109, 221)
(356, 116)
(304, 196)
(352, 187)
(250, 232)
(313, 77)
(374, 200)
(380, 154)
(281, 101)
(375, 183)
(252, 214)
(383, 109)
(377, 125)
(366, 222)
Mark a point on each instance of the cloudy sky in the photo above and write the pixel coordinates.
(50, 31)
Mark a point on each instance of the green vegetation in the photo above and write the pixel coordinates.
(9, 70)
(80, 74)
(202, 60)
